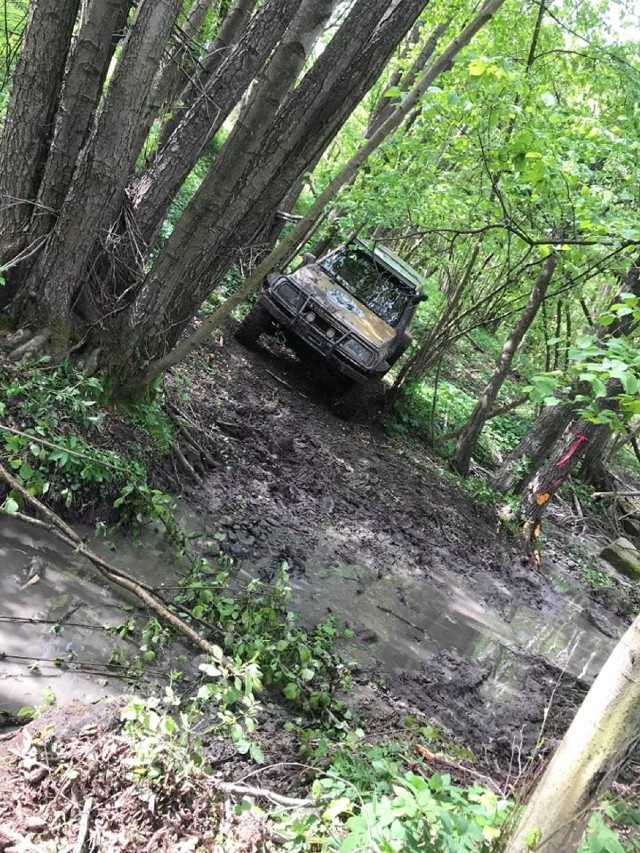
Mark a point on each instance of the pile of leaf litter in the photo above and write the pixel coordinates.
(72, 781)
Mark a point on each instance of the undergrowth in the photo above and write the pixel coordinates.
(61, 443)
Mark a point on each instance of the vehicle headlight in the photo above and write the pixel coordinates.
(358, 351)
(290, 294)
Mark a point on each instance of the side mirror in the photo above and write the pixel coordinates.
(308, 258)
(418, 298)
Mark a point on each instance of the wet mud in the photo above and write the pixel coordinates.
(449, 616)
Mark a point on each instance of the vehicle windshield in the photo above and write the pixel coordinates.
(372, 286)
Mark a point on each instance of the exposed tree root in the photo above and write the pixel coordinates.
(194, 451)
(14, 339)
(32, 346)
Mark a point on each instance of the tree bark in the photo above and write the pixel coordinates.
(534, 447)
(469, 436)
(223, 218)
(269, 90)
(35, 93)
(382, 111)
(404, 81)
(100, 178)
(175, 74)
(102, 24)
(601, 736)
(578, 439)
(553, 420)
(156, 188)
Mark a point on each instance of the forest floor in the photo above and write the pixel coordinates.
(451, 622)
(449, 614)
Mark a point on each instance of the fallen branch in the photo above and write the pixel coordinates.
(53, 446)
(449, 762)
(279, 799)
(112, 573)
(83, 829)
(616, 494)
(401, 618)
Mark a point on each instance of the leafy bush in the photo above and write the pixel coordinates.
(58, 439)
(256, 625)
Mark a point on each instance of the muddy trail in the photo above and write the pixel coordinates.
(449, 618)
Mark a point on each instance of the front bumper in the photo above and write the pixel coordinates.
(303, 334)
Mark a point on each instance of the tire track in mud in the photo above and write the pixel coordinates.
(303, 486)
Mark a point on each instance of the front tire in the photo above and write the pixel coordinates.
(351, 402)
(254, 324)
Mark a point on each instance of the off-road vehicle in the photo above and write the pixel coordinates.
(351, 309)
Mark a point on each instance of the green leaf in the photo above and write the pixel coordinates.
(291, 691)
(10, 506)
(477, 67)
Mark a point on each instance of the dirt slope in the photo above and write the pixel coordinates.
(446, 610)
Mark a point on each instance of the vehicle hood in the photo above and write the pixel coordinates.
(338, 302)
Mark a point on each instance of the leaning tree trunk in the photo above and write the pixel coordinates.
(35, 92)
(577, 439)
(231, 28)
(600, 738)
(156, 188)
(533, 448)
(269, 90)
(180, 62)
(224, 217)
(381, 112)
(301, 231)
(103, 22)
(105, 164)
(471, 433)
(537, 444)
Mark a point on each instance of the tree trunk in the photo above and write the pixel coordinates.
(178, 67)
(229, 33)
(381, 112)
(100, 178)
(555, 472)
(469, 436)
(404, 81)
(35, 92)
(102, 24)
(301, 231)
(579, 437)
(224, 217)
(156, 188)
(269, 90)
(601, 736)
(533, 448)
(553, 420)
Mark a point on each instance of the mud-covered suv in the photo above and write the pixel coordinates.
(352, 309)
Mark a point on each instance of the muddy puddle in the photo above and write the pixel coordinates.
(54, 610)
(399, 623)
(431, 641)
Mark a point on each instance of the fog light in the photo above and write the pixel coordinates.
(310, 316)
(331, 333)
